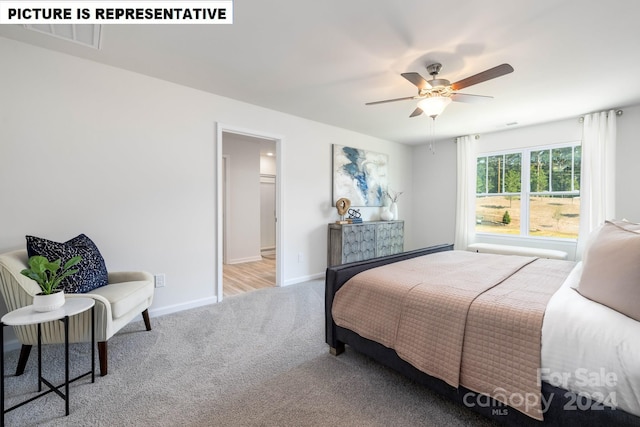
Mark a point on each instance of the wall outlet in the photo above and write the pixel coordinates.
(300, 257)
(159, 280)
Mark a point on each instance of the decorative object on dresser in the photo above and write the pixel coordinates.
(393, 206)
(355, 217)
(386, 214)
(342, 206)
(359, 175)
(358, 242)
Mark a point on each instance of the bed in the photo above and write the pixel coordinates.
(587, 358)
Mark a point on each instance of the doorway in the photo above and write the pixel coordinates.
(248, 243)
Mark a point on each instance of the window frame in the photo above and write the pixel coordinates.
(525, 185)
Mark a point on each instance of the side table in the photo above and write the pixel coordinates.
(28, 316)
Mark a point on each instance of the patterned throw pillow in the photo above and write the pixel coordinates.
(92, 270)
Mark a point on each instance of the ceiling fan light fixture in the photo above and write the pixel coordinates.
(433, 106)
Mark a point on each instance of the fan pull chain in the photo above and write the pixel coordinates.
(432, 135)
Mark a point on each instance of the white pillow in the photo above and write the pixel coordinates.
(611, 267)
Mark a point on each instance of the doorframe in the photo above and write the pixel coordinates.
(226, 178)
(278, 140)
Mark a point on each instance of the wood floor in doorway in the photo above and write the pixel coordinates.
(249, 276)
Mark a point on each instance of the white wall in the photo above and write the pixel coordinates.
(434, 204)
(435, 177)
(268, 165)
(129, 160)
(628, 159)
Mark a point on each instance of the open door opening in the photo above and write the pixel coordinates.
(248, 222)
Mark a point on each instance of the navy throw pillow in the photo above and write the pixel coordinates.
(92, 271)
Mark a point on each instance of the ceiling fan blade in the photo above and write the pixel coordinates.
(389, 100)
(417, 80)
(489, 74)
(470, 99)
(416, 112)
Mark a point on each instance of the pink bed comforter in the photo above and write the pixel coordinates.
(469, 319)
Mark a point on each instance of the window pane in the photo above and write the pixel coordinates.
(561, 176)
(539, 171)
(495, 168)
(504, 173)
(513, 172)
(481, 180)
(554, 216)
(498, 214)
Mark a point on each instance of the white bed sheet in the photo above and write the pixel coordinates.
(591, 349)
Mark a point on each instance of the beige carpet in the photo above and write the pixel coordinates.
(257, 359)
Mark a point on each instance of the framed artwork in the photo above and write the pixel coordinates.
(359, 175)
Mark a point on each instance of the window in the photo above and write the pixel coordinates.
(533, 192)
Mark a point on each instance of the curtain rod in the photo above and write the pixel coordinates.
(476, 136)
(618, 113)
(580, 119)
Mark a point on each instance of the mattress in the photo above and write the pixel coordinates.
(591, 350)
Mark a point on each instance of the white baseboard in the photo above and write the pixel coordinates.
(181, 307)
(303, 279)
(242, 260)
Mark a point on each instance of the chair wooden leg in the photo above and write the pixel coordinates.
(24, 357)
(102, 355)
(145, 316)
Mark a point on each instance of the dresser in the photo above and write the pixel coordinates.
(359, 242)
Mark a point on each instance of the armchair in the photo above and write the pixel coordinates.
(126, 295)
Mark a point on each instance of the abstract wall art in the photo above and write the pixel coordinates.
(359, 175)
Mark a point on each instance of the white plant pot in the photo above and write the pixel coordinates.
(54, 301)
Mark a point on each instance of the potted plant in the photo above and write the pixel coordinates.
(48, 275)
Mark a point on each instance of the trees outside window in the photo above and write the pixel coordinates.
(540, 187)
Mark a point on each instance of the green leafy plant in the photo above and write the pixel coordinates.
(49, 274)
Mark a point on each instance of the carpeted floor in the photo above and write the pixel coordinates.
(257, 359)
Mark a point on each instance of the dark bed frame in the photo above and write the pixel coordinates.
(583, 412)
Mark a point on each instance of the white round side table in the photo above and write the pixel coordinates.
(28, 316)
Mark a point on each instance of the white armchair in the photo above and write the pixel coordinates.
(127, 295)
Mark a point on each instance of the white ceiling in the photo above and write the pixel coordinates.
(323, 60)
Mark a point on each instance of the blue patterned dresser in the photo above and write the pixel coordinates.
(359, 242)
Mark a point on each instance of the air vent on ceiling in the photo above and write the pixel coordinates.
(85, 34)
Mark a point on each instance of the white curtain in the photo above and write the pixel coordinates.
(597, 182)
(466, 191)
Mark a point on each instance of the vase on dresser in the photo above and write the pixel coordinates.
(386, 214)
(393, 208)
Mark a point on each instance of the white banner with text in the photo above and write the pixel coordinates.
(116, 12)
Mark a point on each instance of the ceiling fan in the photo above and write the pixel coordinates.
(436, 94)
